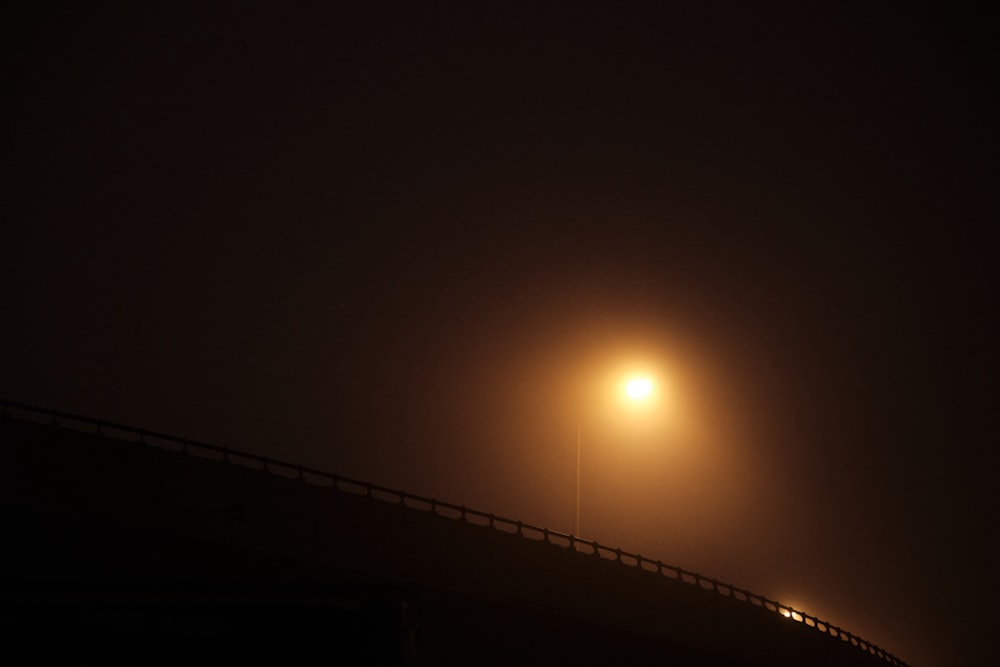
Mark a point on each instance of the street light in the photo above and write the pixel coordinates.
(639, 389)
(636, 390)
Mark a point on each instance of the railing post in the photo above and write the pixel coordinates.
(492, 520)
(545, 535)
(520, 528)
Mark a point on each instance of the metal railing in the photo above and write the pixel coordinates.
(444, 509)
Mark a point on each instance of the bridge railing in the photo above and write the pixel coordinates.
(441, 508)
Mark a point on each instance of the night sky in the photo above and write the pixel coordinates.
(416, 243)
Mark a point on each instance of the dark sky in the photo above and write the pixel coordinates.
(411, 243)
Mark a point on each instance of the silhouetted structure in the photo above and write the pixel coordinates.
(159, 545)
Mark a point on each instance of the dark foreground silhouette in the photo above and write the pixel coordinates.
(124, 552)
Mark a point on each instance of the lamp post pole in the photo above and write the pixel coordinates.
(576, 525)
(637, 389)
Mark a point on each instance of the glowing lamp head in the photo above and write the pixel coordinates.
(639, 389)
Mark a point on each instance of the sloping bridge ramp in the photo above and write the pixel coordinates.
(123, 546)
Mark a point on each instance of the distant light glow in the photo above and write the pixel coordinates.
(792, 614)
(639, 388)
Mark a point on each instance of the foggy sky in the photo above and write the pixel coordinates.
(407, 244)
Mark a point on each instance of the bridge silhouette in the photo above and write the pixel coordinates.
(122, 541)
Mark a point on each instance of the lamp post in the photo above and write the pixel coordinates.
(576, 524)
(637, 389)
